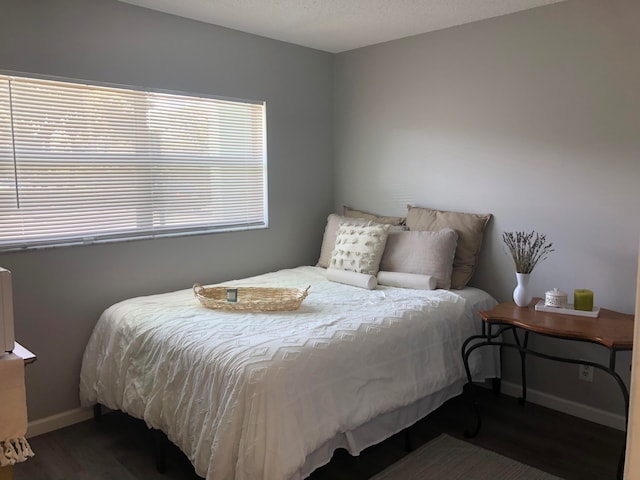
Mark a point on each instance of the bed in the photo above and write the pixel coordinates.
(271, 396)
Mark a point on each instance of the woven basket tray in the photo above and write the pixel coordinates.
(250, 299)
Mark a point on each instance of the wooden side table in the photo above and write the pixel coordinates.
(611, 330)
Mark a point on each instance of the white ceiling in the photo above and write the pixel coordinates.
(338, 25)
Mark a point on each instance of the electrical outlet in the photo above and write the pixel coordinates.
(585, 372)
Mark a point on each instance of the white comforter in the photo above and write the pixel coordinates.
(249, 396)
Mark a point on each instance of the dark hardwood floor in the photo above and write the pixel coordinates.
(120, 447)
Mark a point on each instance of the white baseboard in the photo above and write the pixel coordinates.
(60, 420)
(566, 406)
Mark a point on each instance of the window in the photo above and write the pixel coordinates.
(88, 163)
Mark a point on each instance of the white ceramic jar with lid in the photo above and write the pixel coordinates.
(555, 298)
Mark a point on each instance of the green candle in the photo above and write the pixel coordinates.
(583, 299)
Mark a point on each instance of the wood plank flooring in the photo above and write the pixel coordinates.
(120, 447)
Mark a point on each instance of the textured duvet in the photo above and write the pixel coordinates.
(251, 395)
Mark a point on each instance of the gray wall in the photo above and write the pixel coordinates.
(533, 117)
(59, 293)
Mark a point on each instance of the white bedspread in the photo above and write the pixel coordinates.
(249, 396)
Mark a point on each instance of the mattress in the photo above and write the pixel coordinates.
(270, 395)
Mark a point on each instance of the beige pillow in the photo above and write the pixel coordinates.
(425, 253)
(359, 248)
(352, 213)
(470, 229)
(329, 238)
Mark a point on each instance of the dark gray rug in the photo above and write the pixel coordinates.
(448, 458)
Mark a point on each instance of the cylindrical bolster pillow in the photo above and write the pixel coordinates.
(407, 280)
(355, 279)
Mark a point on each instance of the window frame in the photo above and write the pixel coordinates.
(260, 177)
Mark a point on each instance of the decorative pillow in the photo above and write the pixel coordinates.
(407, 280)
(470, 228)
(354, 279)
(359, 248)
(329, 238)
(351, 213)
(425, 253)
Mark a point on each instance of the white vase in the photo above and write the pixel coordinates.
(522, 293)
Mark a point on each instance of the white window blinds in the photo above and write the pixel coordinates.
(85, 163)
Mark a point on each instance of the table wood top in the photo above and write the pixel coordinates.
(611, 329)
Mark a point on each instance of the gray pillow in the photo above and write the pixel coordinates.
(425, 253)
(470, 229)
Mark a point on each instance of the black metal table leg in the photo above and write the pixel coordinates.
(469, 389)
(523, 363)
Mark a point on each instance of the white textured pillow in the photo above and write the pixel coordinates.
(359, 247)
(422, 252)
